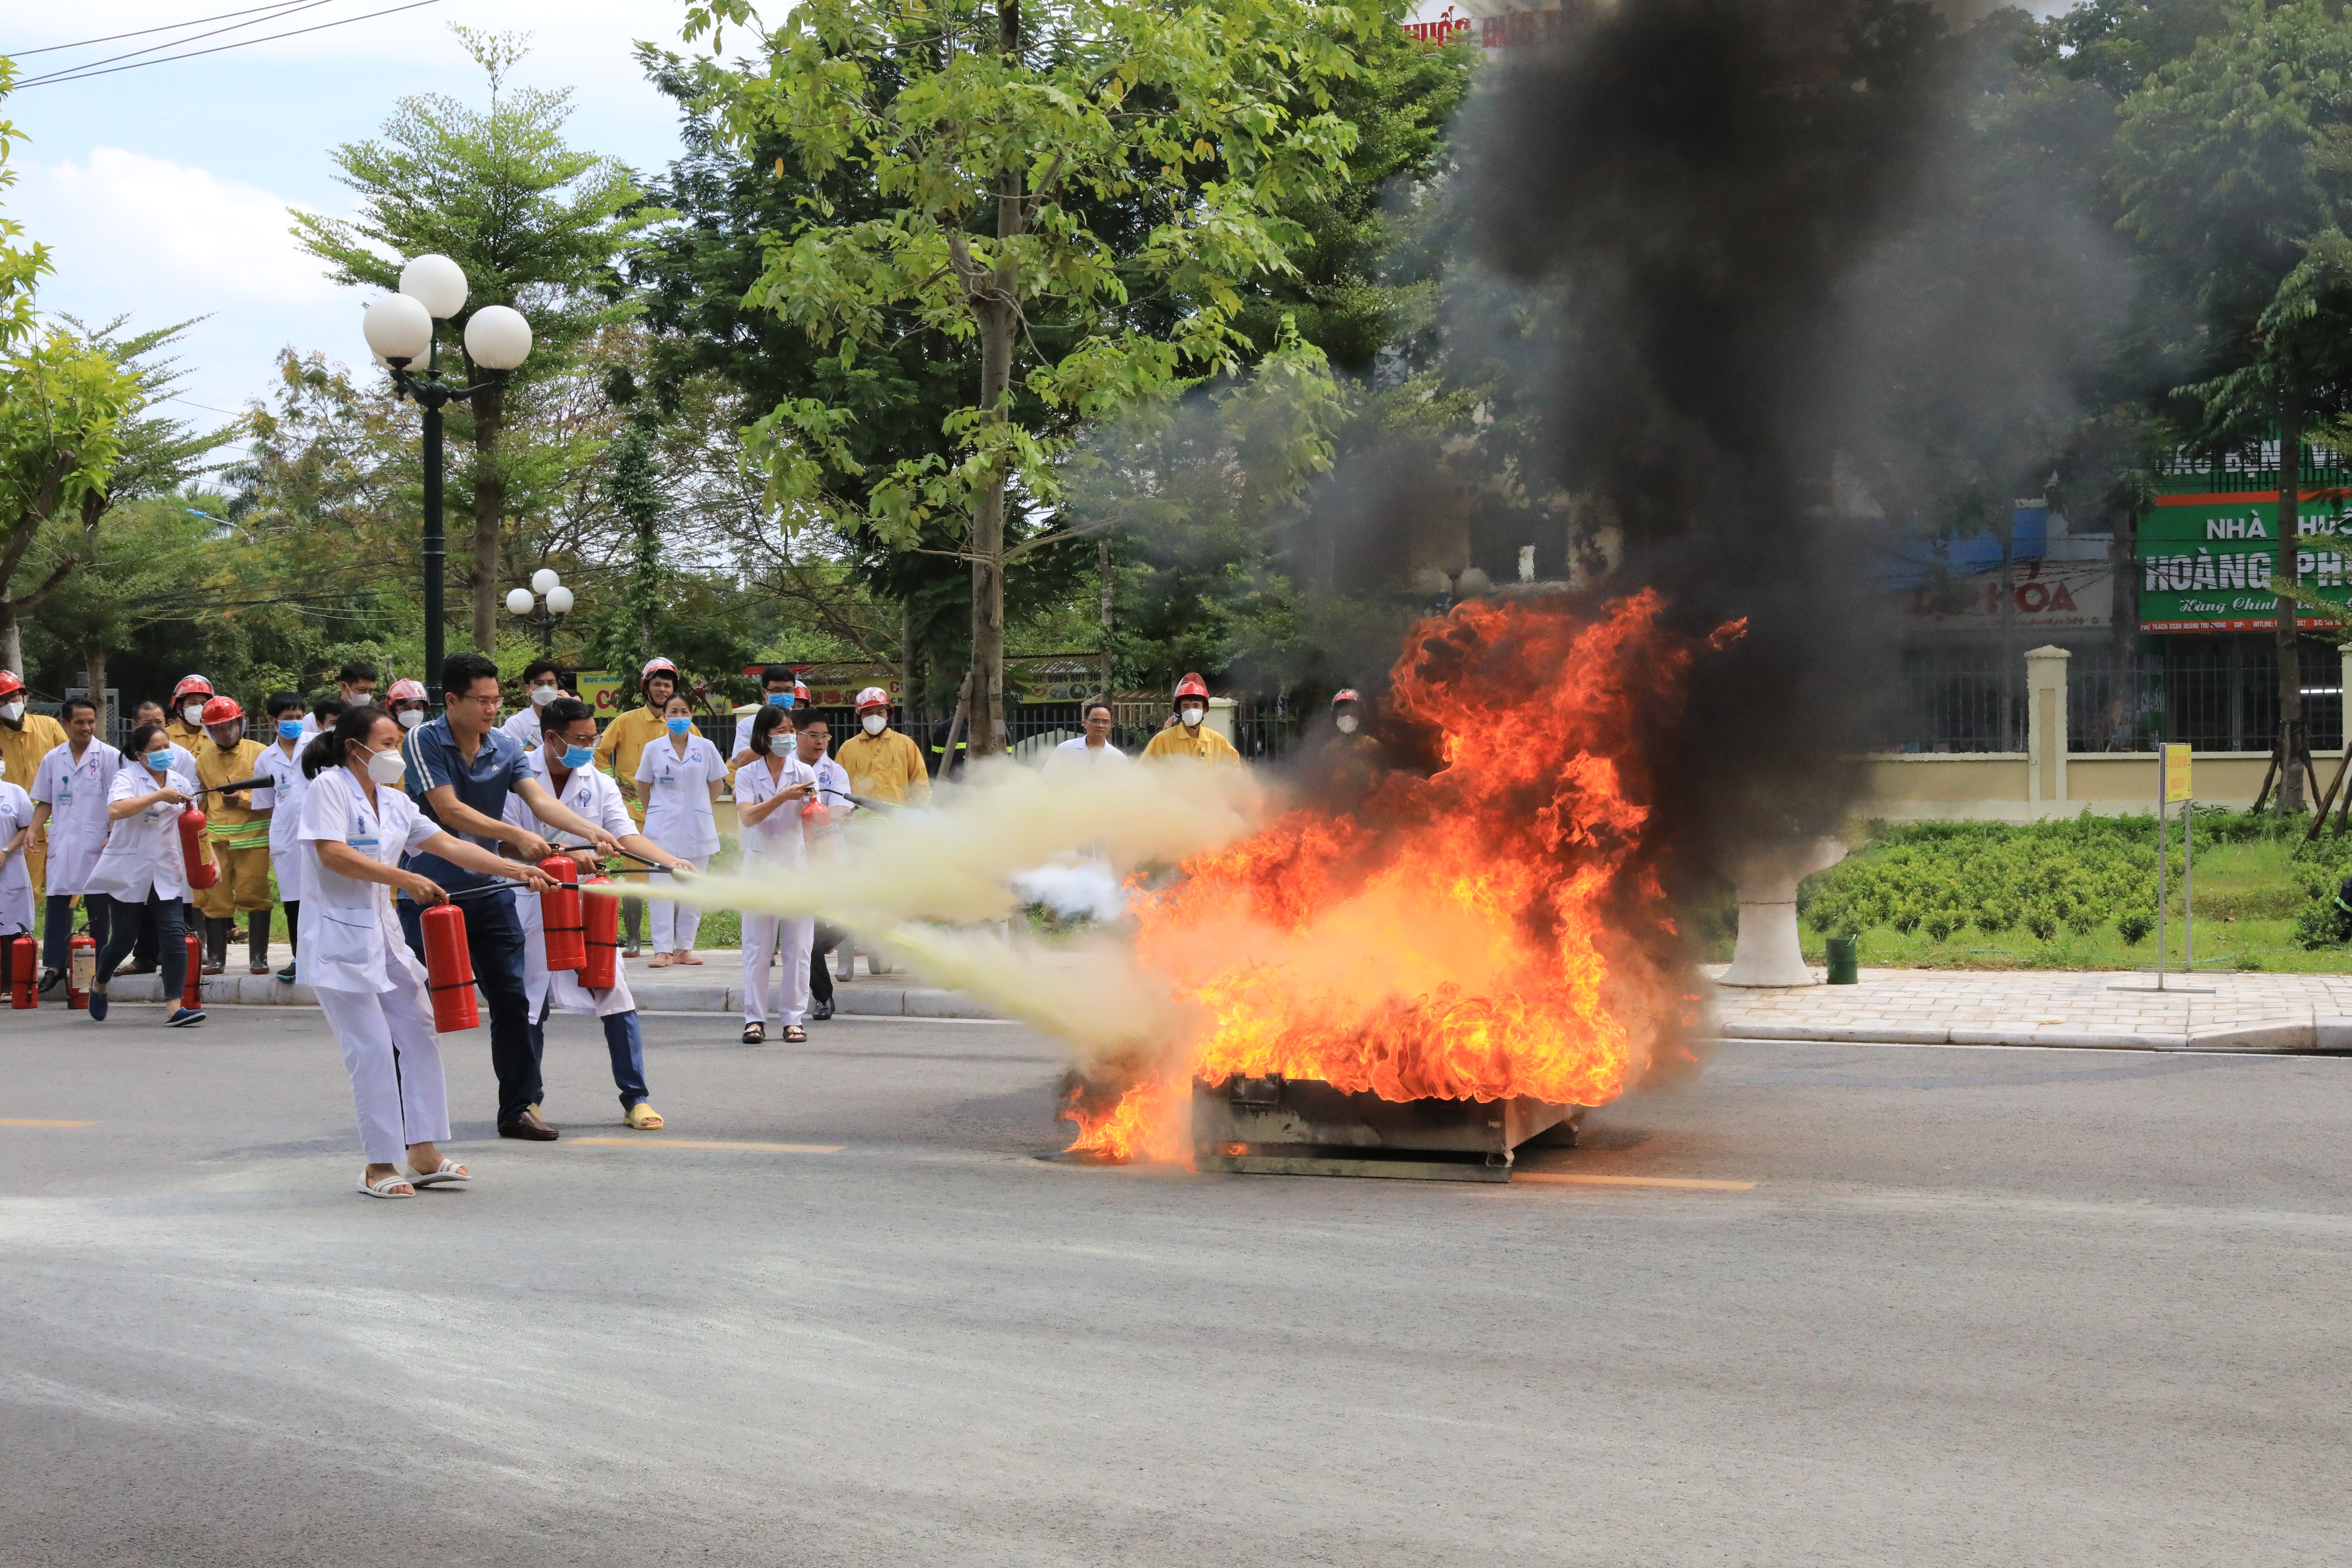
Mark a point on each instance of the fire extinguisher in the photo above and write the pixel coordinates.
(815, 817)
(202, 873)
(449, 970)
(601, 917)
(82, 971)
(559, 914)
(192, 989)
(23, 973)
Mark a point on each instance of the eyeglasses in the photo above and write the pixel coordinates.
(487, 700)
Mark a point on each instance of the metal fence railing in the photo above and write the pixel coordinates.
(1958, 699)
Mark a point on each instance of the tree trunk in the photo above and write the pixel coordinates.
(998, 313)
(907, 704)
(94, 668)
(2290, 537)
(489, 508)
(2011, 741)
(12, 640)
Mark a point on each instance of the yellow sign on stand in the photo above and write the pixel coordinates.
(2176, 775)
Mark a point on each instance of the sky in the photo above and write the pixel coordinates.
(163, 193)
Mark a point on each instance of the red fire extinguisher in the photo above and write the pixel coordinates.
(202, 873)
(81, 969)
(23, 973)
(559, 914)
(191, 990)
(601, 917)
(449, 970)
(815, 817)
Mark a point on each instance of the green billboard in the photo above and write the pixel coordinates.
(2206, 555)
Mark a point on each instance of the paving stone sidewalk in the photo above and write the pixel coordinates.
(2052, 1007)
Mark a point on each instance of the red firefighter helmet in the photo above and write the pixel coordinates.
(222, 710)
(1347, 694)
(195, 683)
(872, 697)
(1191, 685)
(800, 695)
(11, 683)
(406, 691)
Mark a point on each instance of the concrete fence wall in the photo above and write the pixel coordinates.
(2046, 780)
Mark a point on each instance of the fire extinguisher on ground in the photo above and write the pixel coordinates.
(192, 989)
(24, 971)
(82, 971)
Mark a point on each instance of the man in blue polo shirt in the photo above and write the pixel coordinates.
(460, 770)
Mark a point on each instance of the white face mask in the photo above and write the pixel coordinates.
(874, 723)
(541, 696)
(783, 746)
(1193, 716)
(194, 712)
(1346, 722)
(411, 716)
(11, 710)
(385, 767)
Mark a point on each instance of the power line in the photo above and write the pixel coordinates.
(117, 37)
(216, 32)
(75, 75)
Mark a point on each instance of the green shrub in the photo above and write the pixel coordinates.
(2133, 926)
(2041, 920)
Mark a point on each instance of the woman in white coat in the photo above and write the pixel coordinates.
(16, 875)
(679, 776)
(144, 869)
(357, 826)
(281, 763)
(769, 790)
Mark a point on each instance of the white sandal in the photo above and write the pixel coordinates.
(393, 1185)
(450, 1171)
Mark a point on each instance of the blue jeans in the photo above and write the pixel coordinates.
(56, 926)
(494, 938)
(624, 1043)
(160, 918)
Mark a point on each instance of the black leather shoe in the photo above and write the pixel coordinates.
(528, 1125)
(50, 978)
(822, 1011)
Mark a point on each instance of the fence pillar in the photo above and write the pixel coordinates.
(2045, 724)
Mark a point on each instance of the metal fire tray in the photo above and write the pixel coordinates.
(1304, 1126)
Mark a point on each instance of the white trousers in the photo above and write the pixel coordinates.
(674, 924)
(767, 937)
(394, 1061)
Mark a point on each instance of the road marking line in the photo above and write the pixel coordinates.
(29, 1121)
(1633, 1181)
(708, 1144)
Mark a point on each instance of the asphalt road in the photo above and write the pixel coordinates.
(1987, 1306)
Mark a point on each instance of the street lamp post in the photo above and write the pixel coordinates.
(401, 329)
(544, 585)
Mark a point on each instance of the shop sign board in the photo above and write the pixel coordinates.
(2206, 558)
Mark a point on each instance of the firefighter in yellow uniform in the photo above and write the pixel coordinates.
(883, 763)
(1191, 736)
(240, 837)
(24, 739)
(184, 724)
(617, 749)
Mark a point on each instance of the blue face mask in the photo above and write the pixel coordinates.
(288, 730)
(578, 757)
(679, 726)
(159, 761)
(779, 698)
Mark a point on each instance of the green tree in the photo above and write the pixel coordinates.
(2234, 169)
(22, 266)
(63, 402)
(1072, 189)
(535, 223)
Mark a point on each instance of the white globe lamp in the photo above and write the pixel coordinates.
(518, 602)
(398, 329)
(544, 580)
(558, 600)
(436, 283)
(497, 338)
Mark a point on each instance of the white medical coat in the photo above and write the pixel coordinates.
(592, 795)
(283, 801)
(143, 853)
(778, 837)
(350, 938)
(76, 794)
(678, 795)
(16, 875)
(524, 727)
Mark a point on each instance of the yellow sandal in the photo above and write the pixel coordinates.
(642, 1117)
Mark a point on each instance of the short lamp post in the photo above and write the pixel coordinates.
(545, 586)
(400, 329)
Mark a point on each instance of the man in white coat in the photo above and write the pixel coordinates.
(69, 796)
(565, 762)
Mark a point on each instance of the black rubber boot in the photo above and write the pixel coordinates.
(216, 943)
(256, 942)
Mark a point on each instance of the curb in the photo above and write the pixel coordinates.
(861, 1000)
(2274, 1036)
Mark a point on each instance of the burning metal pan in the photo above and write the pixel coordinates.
(1304, 1126)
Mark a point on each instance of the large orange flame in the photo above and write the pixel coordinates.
(1492, 930)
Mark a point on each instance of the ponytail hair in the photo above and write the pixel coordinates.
(134, 751)
(329, 749)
